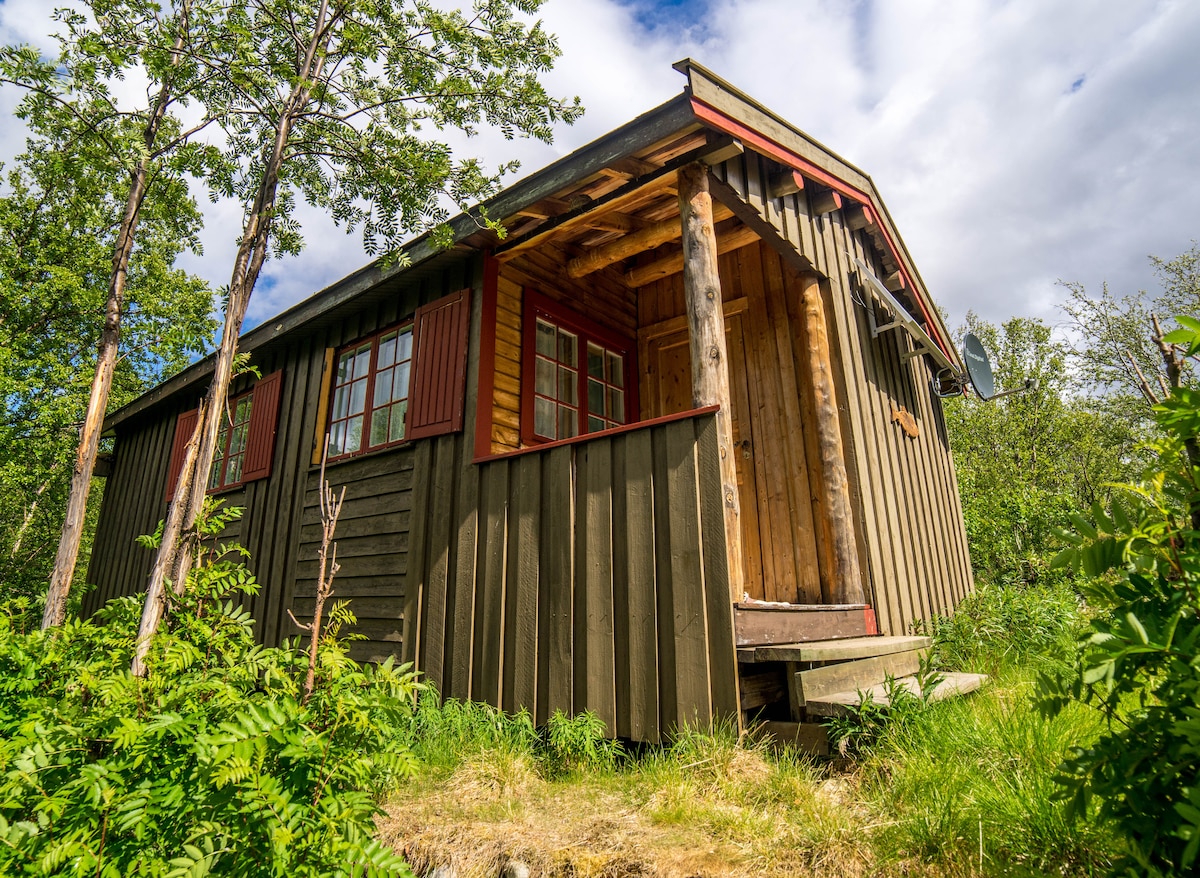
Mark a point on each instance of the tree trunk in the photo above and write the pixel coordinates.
(106, 361)
(93, 423)
(175, 554)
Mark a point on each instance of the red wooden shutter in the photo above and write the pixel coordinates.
(264, 415)
(439, 378)
(185, 424)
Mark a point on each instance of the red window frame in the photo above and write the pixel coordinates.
(538, 307)
(235, 427)
(370, 406)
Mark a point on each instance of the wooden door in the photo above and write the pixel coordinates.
(667, 389)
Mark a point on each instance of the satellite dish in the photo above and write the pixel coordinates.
(979, 366)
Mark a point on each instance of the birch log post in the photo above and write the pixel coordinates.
(706, 340)
(845, 575)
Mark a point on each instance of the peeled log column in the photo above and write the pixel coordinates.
(706, 340)
(845, 575)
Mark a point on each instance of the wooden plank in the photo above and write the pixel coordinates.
(636, 242)
(729, 238)
(806, 737)
(441, 507)
(461, 614)
(416, 588)
(595, 674)
(640, 620)
(555, 589)
(817, 683)
(839, 650)
(762, 686)
(762, 626)
(844, 703)
(521, 667)
(693, 702)
(489, 613)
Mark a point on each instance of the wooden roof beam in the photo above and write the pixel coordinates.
(788, 183)
(637, 242)
(858, 217)
(728, 240)
(825, 201)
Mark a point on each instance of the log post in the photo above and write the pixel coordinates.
(706, 341)
(845, 576)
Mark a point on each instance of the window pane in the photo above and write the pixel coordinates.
(362, 362)
(358, 395)
(400, 381)
(595, 396)
(568, 346)
(387, 351)
(404, 345)
(396, 431)
(595, 424)
(568, 422)
(383, 389)
(595, 361)
(616, 369)
(233, 472)
(546, 339)
(237, 442)
(341, 402)
(544, 382)
(345, 367)
(568, 390)
(543, 417)
(337, 439)
(616, 405)
(379, 426)
(354, 434)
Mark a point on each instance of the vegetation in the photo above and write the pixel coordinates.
(215, 763)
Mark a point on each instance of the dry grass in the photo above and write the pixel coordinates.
(728, 812)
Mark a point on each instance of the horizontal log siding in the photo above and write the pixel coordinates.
(279, 523)
(590, 576)
(912, 538)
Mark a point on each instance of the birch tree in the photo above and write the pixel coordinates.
(72, 102)
(329, 101)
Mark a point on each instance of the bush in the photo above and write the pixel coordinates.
(212, 764)
(1139, 662)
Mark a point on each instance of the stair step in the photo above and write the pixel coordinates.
(816, 683)
(837, 650)
(843, 703)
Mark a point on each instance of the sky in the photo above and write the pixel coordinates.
(1016, 143)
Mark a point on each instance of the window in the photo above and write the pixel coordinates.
(230, 453)
(406, 382)
(370, 393)
(245, 447)
(576, 374)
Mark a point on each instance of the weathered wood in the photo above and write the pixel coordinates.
(726, 241)
(787, 183)
(555, 591)
(838, 650)
(759, 687)
(523, 582)
(490, 585)
(595, 683)
(844, 703)
(710, 358)
(817, 683)
(858, 216)
(634, 243)
(806, 737)
(763, 625)
(640, 620)
(825, 202)
(845, 576)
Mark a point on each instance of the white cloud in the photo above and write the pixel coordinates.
(1014, 142)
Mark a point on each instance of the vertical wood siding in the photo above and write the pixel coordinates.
(588, 576)
(279, 525)
(912, 538)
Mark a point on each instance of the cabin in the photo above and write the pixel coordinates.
(670, 444)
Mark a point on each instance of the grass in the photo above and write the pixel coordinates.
(959, 788)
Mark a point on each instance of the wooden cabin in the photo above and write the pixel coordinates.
(680, 419)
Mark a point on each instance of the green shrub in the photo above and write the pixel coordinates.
(1007, 625)
(212, 764)
(1139, 663)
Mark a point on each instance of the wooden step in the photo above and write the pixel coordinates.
(758, 623)
(843, 703)
(816, 683)
(833, 650)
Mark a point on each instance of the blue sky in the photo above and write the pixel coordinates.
(1015, 143)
